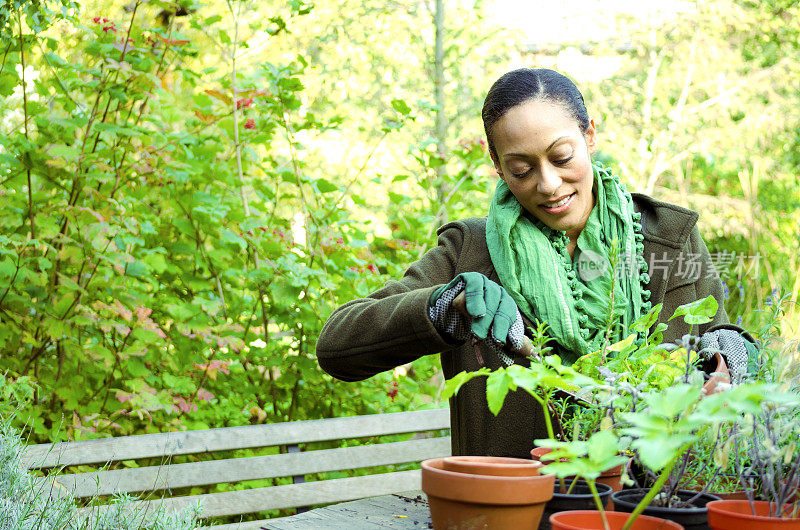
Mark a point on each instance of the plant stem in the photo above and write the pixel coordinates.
(688, 355)
(25, 112)
(572, 484)
(236, 140)
(596, 497)
(546, 409)
(613, 257)
(545, 403)
(645, 502)
(205, 374)
(5, 54)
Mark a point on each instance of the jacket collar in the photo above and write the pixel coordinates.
(664, 223)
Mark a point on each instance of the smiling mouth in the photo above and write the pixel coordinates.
(559, 205)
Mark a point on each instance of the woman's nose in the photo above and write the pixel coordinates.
(549, 181)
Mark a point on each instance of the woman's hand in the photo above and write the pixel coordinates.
(488, 304)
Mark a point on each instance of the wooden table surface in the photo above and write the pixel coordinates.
(400, 510)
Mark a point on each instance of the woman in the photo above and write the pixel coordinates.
(540, 254)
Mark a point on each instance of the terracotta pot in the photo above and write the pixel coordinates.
(492, 465)
(538, 452)
(467, 500)
(590, 520)
(610, 477)
(738, 515)
(691, 518)
(721, 375)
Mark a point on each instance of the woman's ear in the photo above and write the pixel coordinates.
(591, 138)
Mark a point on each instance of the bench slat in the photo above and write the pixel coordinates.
(289, 496)
(244, 525)
(228, 438)
(238, 469)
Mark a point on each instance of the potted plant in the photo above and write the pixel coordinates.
(578, 496)
(578, 420)
(659, 430)
(542, 380)
(708, 467)
(764, 448)
(586, 460)
(636, 389)
(675, 418)
(662, 430)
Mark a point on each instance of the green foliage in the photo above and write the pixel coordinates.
(543, 378)
(697, 136)
(454, 384)
(175, 229)
(586, 459)
(169, 255)
(647, 361)
(698, 312)
(170, 245)
(658, 437)
(14, 393)
(37, 14)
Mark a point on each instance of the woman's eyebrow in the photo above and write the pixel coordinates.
(523, 155)
(554, 143)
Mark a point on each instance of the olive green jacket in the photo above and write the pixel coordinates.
(391, 326)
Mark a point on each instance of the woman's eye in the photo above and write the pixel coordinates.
(520, 173)
(562, 161)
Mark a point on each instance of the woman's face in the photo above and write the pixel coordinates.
(545, 158)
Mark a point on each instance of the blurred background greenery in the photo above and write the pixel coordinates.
(187, 190)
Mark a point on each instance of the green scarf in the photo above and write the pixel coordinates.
(536, 269)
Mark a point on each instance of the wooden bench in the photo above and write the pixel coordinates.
(292, 462)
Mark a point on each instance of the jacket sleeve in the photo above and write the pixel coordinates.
(695, 279)
(736, 353)
(391, 327)
(709, 282)
(692, 276)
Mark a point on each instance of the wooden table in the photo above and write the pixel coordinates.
(401, 510)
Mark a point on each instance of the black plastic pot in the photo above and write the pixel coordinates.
(579, 499)
(691, 518)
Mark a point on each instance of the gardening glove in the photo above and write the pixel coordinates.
(740, 354)
(495, 318)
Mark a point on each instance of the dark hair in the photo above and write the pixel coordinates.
(518, 86)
